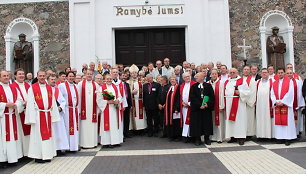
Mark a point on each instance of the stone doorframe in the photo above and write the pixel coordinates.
(276, 17)
(16, 27)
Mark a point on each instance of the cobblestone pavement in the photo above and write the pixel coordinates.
(142, 155)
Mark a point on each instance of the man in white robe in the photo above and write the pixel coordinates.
(236, 96)
(264, 114)
(88, 111)
(272, 74)
(185, 100)
(70, 93)
(223, 73)
(218, 113)
(41, 113)
(111, 129)
(282, 96)
(61, 137)
(250, 104)
(138, 119)
(24, 130)
(10, 105)
(298, 103)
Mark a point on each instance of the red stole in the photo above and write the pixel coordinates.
(26, 128)
(248, 80)
(235, 102)
(56, 92)
(121, 89)
(71, 107)
(281, 112)
(106, 110)
(45, 128)
(217, 101)
(270, 101)
(140, 103)
(181, 101)
(296, 76)
(295, 101)
(3, 99)
(83, 102)
(167, 119)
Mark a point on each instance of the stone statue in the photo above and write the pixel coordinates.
(23, 54)
(276, 48)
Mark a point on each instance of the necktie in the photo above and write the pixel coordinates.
(150, 87)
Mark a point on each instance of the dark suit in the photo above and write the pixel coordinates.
(180, 79)
(150, 103)
(126, 113)
(161, 99)
(208, 75)
(257, 77)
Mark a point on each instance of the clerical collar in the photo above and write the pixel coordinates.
(265, 80)
(167, 66)
(115, 80)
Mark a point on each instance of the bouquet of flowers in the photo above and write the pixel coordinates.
(108, 95)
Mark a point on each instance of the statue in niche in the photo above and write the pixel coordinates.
(23, 54)
(276, 48)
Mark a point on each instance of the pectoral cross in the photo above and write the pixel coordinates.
(245, 48)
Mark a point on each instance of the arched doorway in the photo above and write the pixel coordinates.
(16, 27)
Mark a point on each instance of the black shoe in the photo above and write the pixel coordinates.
(248, 138)
(47, 161)
(241, 142)
(11, 164)
(233, 140)
(287, 142)
(219, 142)
(60, 153)
(197, 142)
(111, 146)
(39, 161)
(208, 142)
(105, 146)
(127, 136)
(3, 165)
(185, 139)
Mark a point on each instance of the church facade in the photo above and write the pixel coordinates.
(74, 32)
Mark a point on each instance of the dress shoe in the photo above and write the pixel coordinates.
(207, 142)
(232, 140)
(185, 139)
(3, 165)
(287, 142)
(47, 161)
(241, 142)
(39, 161)
(197, 142)
(219, 142)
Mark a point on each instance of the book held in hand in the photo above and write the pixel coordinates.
(205, 100)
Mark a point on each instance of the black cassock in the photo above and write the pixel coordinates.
(201, 119)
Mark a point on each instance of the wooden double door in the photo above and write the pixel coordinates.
(140, 46)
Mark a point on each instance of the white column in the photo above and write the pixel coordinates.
(9, 47)
(36, 52)
(290, 45)
(263, 42)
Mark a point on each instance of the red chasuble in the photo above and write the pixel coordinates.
(106, 110)
(45, 124)
(181, 103)
(26, 128)
(168, 119)
(83, 102)
(71, 107)
(235, 102)
(3, 99)
(270, 101)
(281, 112)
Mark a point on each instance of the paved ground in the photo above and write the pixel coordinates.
(142, 155)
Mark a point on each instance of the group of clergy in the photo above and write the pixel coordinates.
(45, 118)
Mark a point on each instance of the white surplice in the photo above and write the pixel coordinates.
(114, 135)
(250, 107)
(10, 151)
(88, 129)
(25, 138)
(281, 131)
(219, 131)
(61, 137)
(185, 98)
(264, 120)
(38, 148)
(73, 140)
(238, 128)
(135, 122)
(300, 105)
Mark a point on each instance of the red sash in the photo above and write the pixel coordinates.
(296, 76)
(295, 101)
(106, 110)
(281, 112)
(3, 99)
(171, 105)
(270, 101)
(45, 125)
(56, 92)
(140, 103)
(235, 102)
(26, 128)
(181, 101)
(121, 89)
(71, 107)
(83, 102)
